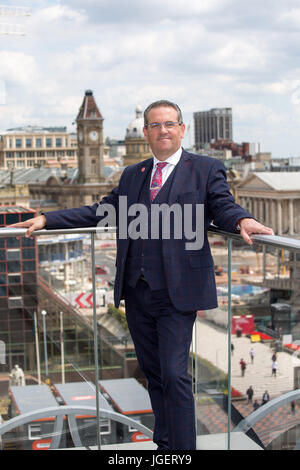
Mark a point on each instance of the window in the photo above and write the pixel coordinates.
(48, 142)
(138, 420)
(13, 255)
(28, 266)
(15, 302)
(94, 152)
(104, 426)
(27, 241)
(14, 279)
(28, 143)
(58, 142)
(12, 219)
(12, 243)
(38, 142)
(34, 431)
(28, 254)
(13, 266)
(18, 143)
(29, 278)
(3, 291)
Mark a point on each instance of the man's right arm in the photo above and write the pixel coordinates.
(84, 216)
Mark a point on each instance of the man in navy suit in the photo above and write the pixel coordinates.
(165, 280)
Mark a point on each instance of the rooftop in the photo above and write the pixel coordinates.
(280, 181)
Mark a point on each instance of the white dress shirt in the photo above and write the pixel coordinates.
(167, 170)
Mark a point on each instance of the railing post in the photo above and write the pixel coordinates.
(95, 325)
(229, 342)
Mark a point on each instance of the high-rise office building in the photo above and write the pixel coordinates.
(18, 291)
(212, 125)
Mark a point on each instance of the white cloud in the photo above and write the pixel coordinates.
(290, 17)
(202, 54)
(18, 67)
(58, 14)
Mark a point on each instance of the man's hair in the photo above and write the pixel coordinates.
(159, 104)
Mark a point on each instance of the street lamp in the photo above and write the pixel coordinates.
(44, 313)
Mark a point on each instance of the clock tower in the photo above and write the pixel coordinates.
(90, 141)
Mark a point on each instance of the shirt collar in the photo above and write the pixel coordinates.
(173, 159)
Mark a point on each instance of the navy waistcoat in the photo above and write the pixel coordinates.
(145, 255)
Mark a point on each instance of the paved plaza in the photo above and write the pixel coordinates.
(212, 344)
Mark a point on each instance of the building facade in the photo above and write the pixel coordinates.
(18, 291)
(33, 146)
(212, 125)
(137, 148)
(274, 199)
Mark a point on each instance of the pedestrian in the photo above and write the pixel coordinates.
(265, 398)
(255, 405)
(274, 368)
(250, 393)
(252, 354)
(293, 406)
(274, 357)
(163, 279)
(243, 366)
(232, 348)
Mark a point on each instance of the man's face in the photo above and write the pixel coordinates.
(164, 142)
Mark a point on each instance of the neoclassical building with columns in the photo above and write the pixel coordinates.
(273, 198)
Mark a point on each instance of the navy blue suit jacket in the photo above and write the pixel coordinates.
(189, 273)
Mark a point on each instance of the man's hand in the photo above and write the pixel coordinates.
(251, 226)
(36, 223)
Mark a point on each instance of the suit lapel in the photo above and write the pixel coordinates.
(137, 181)
(181, 178)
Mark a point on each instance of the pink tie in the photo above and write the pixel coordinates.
(156, 182)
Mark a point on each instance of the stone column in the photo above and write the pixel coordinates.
(279, 214)
(256, 215)
(259, 210)
(273, 216)
(291, 217)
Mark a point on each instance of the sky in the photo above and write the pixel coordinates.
(201, 54)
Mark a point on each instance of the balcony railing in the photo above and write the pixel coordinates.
(258, 317)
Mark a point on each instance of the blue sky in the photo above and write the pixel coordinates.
(200, 54)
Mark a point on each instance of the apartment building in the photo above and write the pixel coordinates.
(33, 146)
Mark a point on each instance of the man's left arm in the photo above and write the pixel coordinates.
(223, 210)
(248, 227)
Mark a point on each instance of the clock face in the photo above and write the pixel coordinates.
(93, 135)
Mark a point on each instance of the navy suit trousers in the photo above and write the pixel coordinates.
(162, 337)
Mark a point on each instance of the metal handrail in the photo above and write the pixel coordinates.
(285, 243)
(279, 242)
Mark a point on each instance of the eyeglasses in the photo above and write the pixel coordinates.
(167, 124)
